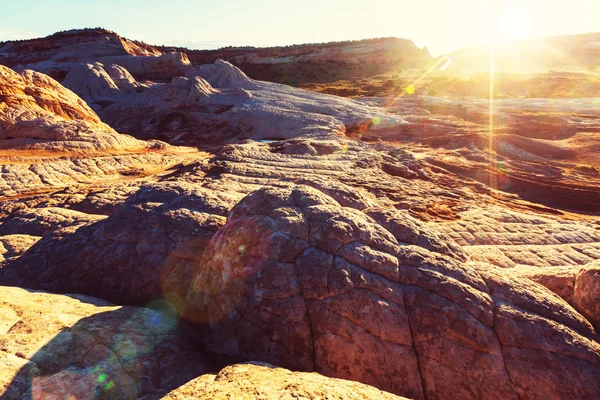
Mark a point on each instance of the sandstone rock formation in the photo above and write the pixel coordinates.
(586, 293)
(38, 113)
(360, 52)
(320, 62)
(143, 251)
(182, 208)
(215, 103)
(46, 221)
(50, 138)
(260, 380)
(73, 346)
(293, 275)
(326, 249)
(12, 246)
(57, 54)
(295, 278)
(393, 242)
(543, 150)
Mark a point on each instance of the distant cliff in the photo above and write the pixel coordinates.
(55, 55)
(321, 62)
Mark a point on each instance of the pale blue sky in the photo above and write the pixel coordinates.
(441, 25)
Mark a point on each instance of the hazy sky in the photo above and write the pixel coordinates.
(441, 25)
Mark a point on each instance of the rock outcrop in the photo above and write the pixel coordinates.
(586, 293)
(295, 278)
(38, 113)
(223, 74)
(216, 103)
(381, 51)
(57, 54)
(260, 380)
(73, 346)
(543, 150)
(318, 62)
(173, 219)
(143, 251)
(50, 138)
(13, 246)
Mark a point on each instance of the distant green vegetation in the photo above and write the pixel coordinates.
(277, 49)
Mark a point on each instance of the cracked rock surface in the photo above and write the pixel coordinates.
(295, 278)
(316, 259)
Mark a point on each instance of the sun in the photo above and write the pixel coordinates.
(516, 23)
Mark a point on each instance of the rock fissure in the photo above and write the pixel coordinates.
(417, 355)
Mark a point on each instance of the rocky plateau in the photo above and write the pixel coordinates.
(177, 230)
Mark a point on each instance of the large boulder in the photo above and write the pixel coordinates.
(296, 279)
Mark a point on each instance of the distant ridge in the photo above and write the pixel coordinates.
(78, 33)
(572, 53)
(293, 64)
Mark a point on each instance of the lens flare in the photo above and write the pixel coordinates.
(447, 64)
(101, 378)
(491, 139)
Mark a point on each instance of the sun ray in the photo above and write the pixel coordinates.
(444, 61)
(491, 139)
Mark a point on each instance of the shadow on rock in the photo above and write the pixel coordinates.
(122, 353)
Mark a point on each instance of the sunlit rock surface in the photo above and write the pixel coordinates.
(295, 278)
(350, 236)
(259, 380)
(74, 346)
(57, 54)
(50, 139)
(216, 103)
(543, 150)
